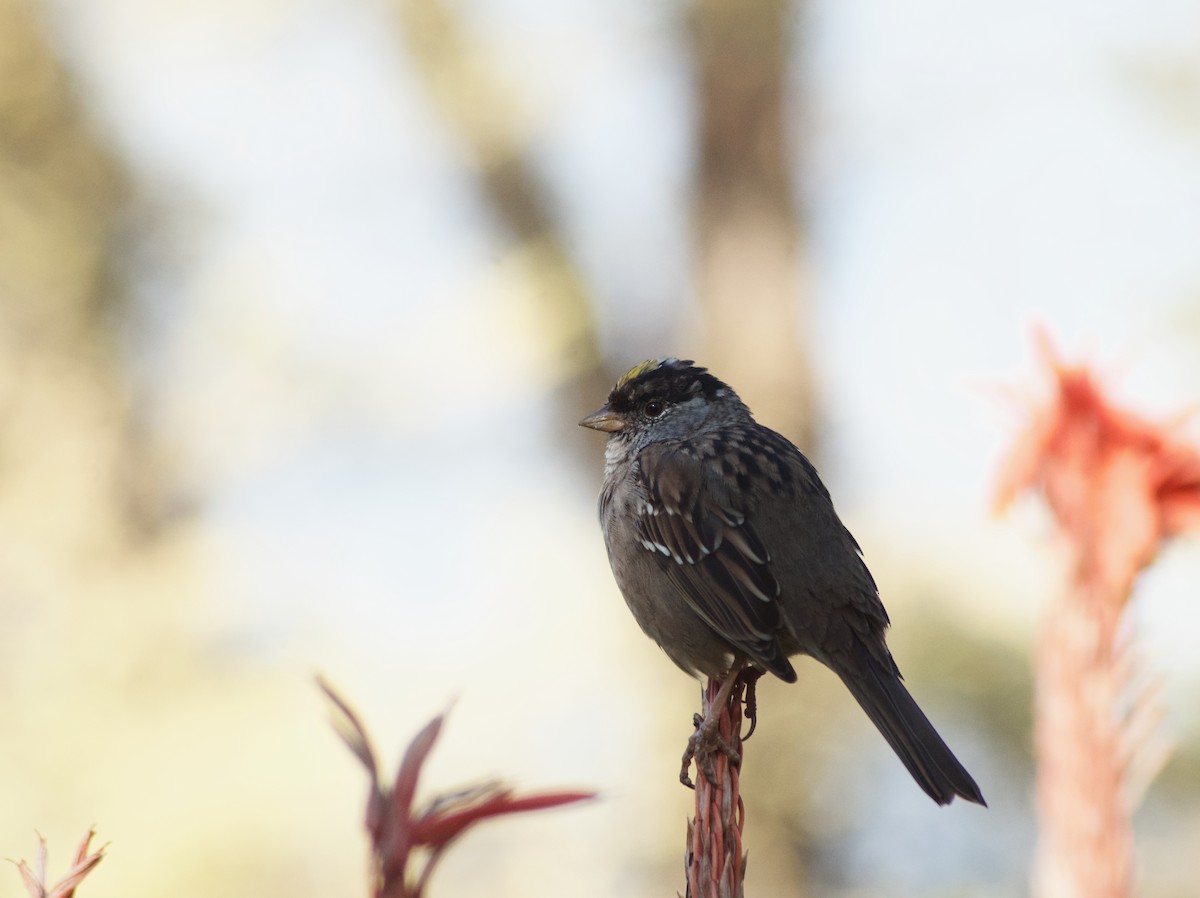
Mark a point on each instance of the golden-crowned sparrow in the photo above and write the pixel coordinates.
(728, 551)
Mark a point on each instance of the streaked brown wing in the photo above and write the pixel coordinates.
(710, 553)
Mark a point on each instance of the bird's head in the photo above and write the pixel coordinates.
(663, 399)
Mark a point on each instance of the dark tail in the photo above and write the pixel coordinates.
(909, 732)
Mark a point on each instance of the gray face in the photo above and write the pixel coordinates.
(660, 419)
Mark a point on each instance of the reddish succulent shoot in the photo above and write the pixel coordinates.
(400, 836)
(447, 816)
(83, 864)
(1118, 486)
(714, 858)
(1117, 483)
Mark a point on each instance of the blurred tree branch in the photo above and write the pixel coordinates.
(750, 259)
(76, 466)
(82, 483)
(482, 112)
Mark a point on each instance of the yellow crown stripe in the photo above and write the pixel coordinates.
(637, 371)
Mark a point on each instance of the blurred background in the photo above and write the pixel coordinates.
(300, 301)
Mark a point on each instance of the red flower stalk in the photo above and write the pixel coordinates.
(1118, 487)
(400, 836)
(714, 859)
(65, 887)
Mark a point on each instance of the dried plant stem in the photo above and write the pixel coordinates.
(1086, 845)
(715, 862)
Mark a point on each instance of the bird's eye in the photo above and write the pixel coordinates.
(654, 408)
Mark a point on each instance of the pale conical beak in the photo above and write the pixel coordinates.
(604, 419)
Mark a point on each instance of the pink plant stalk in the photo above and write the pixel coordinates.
(715, 861)
(1118, 487)
(407, 843)
(35, 881)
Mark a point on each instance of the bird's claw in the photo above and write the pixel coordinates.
(750, 677)
(702, 746)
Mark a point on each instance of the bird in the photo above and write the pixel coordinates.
(728, 551)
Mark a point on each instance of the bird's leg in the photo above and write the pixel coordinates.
(707, 737)
(750, 677)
